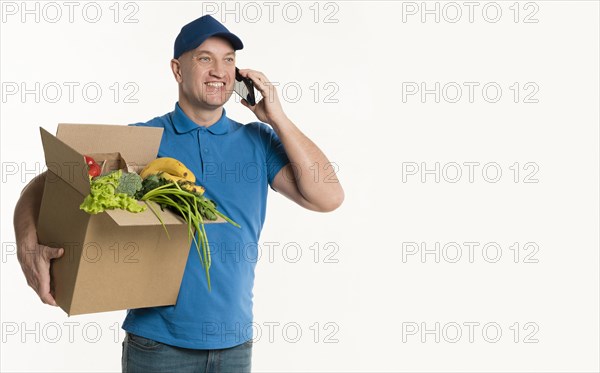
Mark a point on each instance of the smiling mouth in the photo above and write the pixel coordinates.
(215, 84)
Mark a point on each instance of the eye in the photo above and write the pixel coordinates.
(230, 59)
(204, 58)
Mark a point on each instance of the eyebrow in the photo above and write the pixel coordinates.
(209, 52)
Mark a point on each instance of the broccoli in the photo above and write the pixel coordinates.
(129, 183)
(149, 183)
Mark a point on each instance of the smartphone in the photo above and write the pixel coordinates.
(244, 87)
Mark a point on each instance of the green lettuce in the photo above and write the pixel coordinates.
(103, 196)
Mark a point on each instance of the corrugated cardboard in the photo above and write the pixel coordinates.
(116, 259)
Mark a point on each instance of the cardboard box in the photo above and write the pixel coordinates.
(116, 259)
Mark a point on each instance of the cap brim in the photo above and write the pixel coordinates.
(236, 43)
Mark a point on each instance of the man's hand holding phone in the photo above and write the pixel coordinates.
(268, 109)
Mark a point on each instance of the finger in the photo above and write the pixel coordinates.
(256, 76)
(48, 299)
(43, 290)
(245, 72)
(246, 104)
(263, 85)
(43, 274)
(53, 252)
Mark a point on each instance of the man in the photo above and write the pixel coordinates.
(236, 163)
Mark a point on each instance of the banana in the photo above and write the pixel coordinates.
(183, 182)
(193, 188)
(167, 176)
(169, 165)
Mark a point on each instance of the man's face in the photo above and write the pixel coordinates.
(207, 73)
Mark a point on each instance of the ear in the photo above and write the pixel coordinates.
(176, 68)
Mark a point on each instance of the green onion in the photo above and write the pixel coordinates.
(193, 208)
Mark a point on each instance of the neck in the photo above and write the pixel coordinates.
(204, 117)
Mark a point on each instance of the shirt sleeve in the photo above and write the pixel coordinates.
(276, 157)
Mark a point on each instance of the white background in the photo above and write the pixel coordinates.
(359, 306)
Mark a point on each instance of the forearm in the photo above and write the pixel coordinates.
(26, 213)
(315, 184)
(34, 258)
(314, 174)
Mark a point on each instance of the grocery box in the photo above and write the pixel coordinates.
(116, 259)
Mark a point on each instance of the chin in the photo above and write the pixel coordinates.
(211, 99)
(218, 103)
(215, 104)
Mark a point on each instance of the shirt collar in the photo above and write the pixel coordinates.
(184, 124)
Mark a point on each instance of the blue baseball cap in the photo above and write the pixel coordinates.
(196, 32)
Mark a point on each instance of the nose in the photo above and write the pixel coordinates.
(218, 70)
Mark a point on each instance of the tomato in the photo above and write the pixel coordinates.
(89, 160)
(94, 170)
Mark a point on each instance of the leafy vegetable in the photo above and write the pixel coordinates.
(129, 183)
(150, 183)
(103, 197)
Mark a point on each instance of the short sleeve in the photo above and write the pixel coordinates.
(276, 157)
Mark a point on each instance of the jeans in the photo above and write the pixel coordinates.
(145, 355)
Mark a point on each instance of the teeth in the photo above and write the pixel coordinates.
(216, 84)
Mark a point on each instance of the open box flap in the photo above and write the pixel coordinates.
(147, 217)
(138, 145)
(65, 162)
(125, 218)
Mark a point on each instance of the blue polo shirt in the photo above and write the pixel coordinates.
(235, 163)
